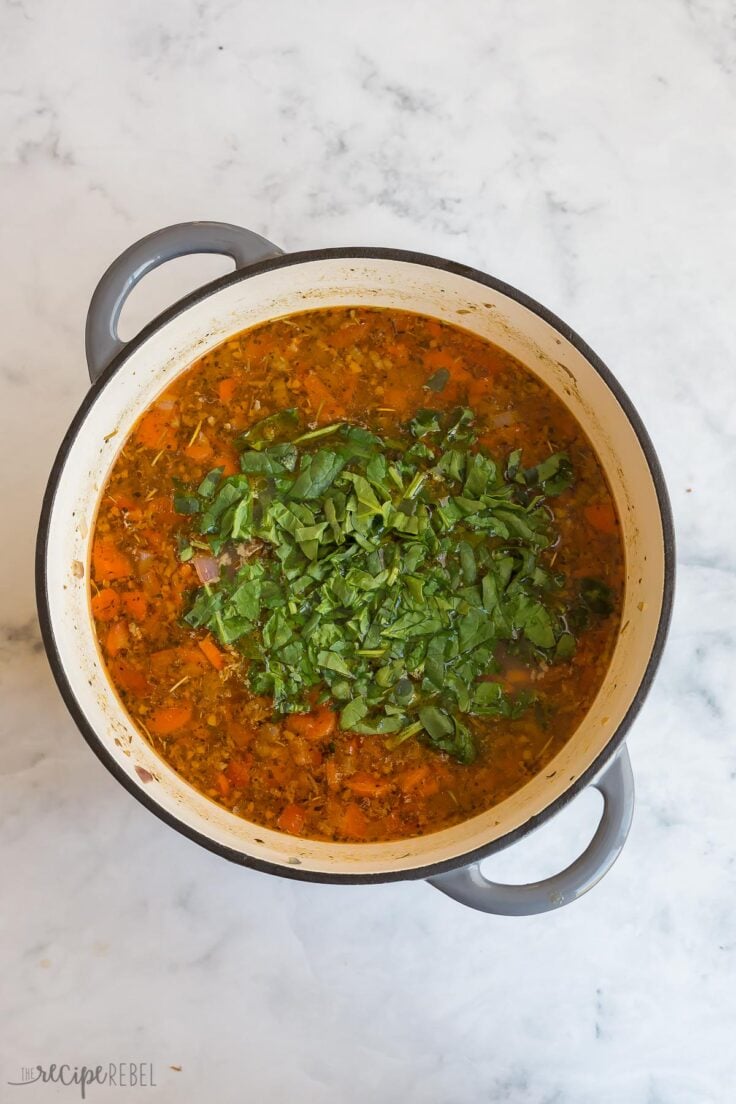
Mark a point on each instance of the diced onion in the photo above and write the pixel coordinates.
(207, 568)
(507, 418)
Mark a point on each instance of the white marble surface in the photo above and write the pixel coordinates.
(583, 152)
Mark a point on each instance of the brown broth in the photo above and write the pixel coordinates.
(301, 774)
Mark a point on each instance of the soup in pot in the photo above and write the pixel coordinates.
(356, 575)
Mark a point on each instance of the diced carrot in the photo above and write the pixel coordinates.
(240, 735)
(154, 539)
(401, 393)
(117, 638)
(440, 358)
(518, 676)
(333, 774)
(398, 351)
(156, 429)
(277, 774)
(127, 677)
(479, 390)
(108, 562)
(162, 509)
(367, 785)
(432, 327)
(313, 726)
(258, 344)
(217, 658)
(122, 501)
(223, 783)
(131, 507)
(292, 819)
(226, 389)
(345, 335)
(602, 517)
(228, 462)
(354, 822)
(411, 780)
(322, 399)
(169, 718)
(238, 772)
(183, 579)
(106, 604)
(200, 449)
(135, 604)
(178, 661)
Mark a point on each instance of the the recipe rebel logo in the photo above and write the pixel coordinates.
(121, 1075)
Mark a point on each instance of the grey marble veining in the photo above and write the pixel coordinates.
(585, 153)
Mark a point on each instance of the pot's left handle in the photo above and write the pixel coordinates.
(101, 333)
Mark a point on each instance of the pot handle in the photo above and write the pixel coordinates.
(470, 887)
(101, 333)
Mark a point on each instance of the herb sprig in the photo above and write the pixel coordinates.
(387, 573)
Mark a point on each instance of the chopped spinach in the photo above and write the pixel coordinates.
(389, 573)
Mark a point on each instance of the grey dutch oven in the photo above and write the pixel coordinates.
(268, 283)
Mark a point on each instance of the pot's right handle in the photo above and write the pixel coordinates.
(470, 887)
(101, 334)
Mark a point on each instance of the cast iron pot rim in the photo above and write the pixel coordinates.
(359, 253)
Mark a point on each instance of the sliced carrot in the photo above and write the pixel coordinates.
(117, 638)
(135, 604)
(602, 517)
(354, 822)
(217, 658)
(292, 819)
(226, 389)
(238, 772)
(108, 562)
(169, 718)
(313, 726)
(367, 785)
(127, 677)
(156, 430)
(106, 604)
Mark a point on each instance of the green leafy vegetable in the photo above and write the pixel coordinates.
(388, 574)
(438, 380)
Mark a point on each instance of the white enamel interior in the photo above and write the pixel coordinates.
(302, 286)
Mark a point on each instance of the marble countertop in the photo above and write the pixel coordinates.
(584, 153)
